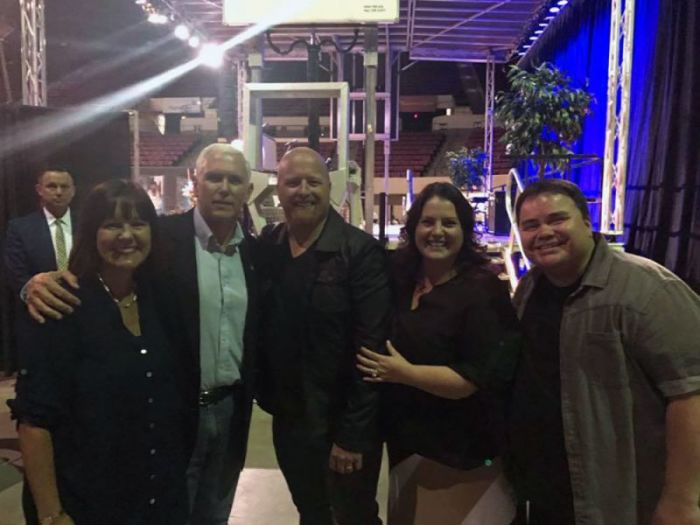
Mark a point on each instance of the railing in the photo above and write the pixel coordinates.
(514, 240)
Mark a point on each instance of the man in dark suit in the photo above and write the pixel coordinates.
(326, 294)
(210, 267)
(41, 241)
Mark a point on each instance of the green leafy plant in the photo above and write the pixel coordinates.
(542, 113)
(467, 167)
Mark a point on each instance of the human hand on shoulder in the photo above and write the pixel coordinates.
(46, 296)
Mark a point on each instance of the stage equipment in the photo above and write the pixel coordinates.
(343, 186)
(238, 13)
(33, 52)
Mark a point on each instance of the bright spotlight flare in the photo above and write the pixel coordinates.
(194, 41)
(157, 18)
(87, 115)
(182, 32)
(212, 55)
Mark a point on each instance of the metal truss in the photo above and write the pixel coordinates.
(618, 117)
(490, 99)
(33, 52)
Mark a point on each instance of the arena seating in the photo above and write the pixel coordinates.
(414, 150)
(165, 150)
(327, 149)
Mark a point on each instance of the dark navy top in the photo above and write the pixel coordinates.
(112, 404)
(469, 325)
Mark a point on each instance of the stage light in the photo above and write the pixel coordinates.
(562, 3)
(539, 32)
(533, 38)
(182, 32)
(157, 18)
(554, 9)
(194, 41)
(543, 24)
(140, 2)
(212, 55)
(237, 144)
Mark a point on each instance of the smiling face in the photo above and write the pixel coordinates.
(123, 241)
(56, 191)
(555, 236)
(303, 187)
(223, 185)
(439, 236)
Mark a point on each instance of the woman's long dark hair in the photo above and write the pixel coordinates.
(408, 258)
(101, 204)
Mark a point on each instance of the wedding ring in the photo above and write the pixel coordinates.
(374, 373)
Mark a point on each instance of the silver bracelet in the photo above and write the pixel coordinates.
(48, 520)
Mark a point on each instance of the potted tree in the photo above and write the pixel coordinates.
(467, 168)
(542, 114)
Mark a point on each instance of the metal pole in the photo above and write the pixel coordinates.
(136, 171)
(370, 64)
(488, 120)
(387, 125)
(255, 61)
(312, 74)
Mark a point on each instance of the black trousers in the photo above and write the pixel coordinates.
(324, 497)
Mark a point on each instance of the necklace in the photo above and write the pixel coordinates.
(120, 304)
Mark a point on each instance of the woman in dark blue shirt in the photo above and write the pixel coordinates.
(101, 420)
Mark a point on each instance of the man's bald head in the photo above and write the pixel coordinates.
(303, 187)
(303, 155)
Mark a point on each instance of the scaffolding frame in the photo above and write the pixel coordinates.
(33, 53)
(618, 117)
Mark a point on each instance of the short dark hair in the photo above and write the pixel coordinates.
(557, 187)
(102, 203)
(56, 169)
(408, 256)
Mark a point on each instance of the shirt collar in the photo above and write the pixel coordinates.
(51, 219)
(206, 238)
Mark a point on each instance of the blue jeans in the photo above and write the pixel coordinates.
(211, 477)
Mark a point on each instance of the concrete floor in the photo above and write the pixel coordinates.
(262, 497)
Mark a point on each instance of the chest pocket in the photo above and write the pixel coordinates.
(330, 290)
(603, 359)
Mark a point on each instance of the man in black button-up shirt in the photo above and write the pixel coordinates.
(326, 294)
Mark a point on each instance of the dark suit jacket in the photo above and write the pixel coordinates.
(346, 303)
(180, 275)
(29, 248)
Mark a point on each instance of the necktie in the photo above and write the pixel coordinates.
(61, 256)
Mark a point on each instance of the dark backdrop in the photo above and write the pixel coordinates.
(92, 153)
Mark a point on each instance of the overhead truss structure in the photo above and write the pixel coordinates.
(618, 116)
(33, 52)
(442, 30)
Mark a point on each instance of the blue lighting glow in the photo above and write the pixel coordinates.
(554, 9)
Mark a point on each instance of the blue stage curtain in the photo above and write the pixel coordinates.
(577, 43)
(662, 205)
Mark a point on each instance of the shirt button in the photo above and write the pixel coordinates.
(152, 477)
(144, 351)
(152, 501)
(153, 452)
(149, 374)
(23, 372)
(151, 426)
(150, 400)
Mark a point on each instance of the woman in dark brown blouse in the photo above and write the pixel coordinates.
(452, 353)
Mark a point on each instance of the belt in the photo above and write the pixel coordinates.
(216, 394)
